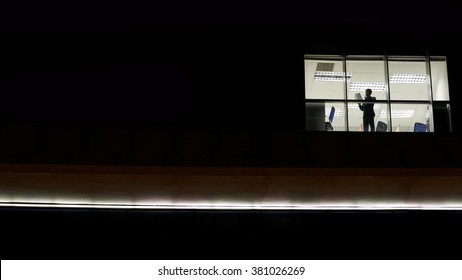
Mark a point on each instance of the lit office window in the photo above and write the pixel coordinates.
(412, 93)
(355, 116)
(410, 117)
(325, 87)
(408, 78)
(335, 116)
(366, 72)
(325, 78)
(440, 92)
(439, 75)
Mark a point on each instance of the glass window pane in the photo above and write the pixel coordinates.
(408, 79)
(315, 116)
(366, 72)
(355, 117)
(442, 116)
(410, 117)
(321, 117)
(324, 78)
(338, 117)
(439, 75)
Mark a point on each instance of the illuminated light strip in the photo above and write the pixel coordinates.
(398, 114)
(362, 86)
(235, 207)
(331, 76)
(408, 78)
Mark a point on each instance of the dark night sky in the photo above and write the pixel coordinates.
(113, 16)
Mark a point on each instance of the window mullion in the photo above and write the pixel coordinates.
(387, 89)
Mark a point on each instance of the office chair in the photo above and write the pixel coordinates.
(381, 127)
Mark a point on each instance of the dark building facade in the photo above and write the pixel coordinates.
(176, 92)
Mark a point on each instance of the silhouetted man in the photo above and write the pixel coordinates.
(368, 111)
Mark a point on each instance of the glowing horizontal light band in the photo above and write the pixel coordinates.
(361, 86)
(408, 78)
(398, 114)
(331, 76)
(237, 207)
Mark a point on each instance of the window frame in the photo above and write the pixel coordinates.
(390, 102)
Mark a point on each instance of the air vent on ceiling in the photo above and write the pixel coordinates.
(322, 66)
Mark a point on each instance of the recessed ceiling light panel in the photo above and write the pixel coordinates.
(408, 78)
(331, 76)
(362, 86)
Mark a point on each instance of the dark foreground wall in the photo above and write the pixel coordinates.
(189, 78)
(230, 92)
(206, 234)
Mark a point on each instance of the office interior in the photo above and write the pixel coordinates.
(408, 94)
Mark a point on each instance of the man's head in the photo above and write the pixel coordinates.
(368, 92)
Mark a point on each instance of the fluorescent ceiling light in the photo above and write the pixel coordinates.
(398, 114)
(331, 76)
(408, 78)
(394, 78)
(362, 86)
